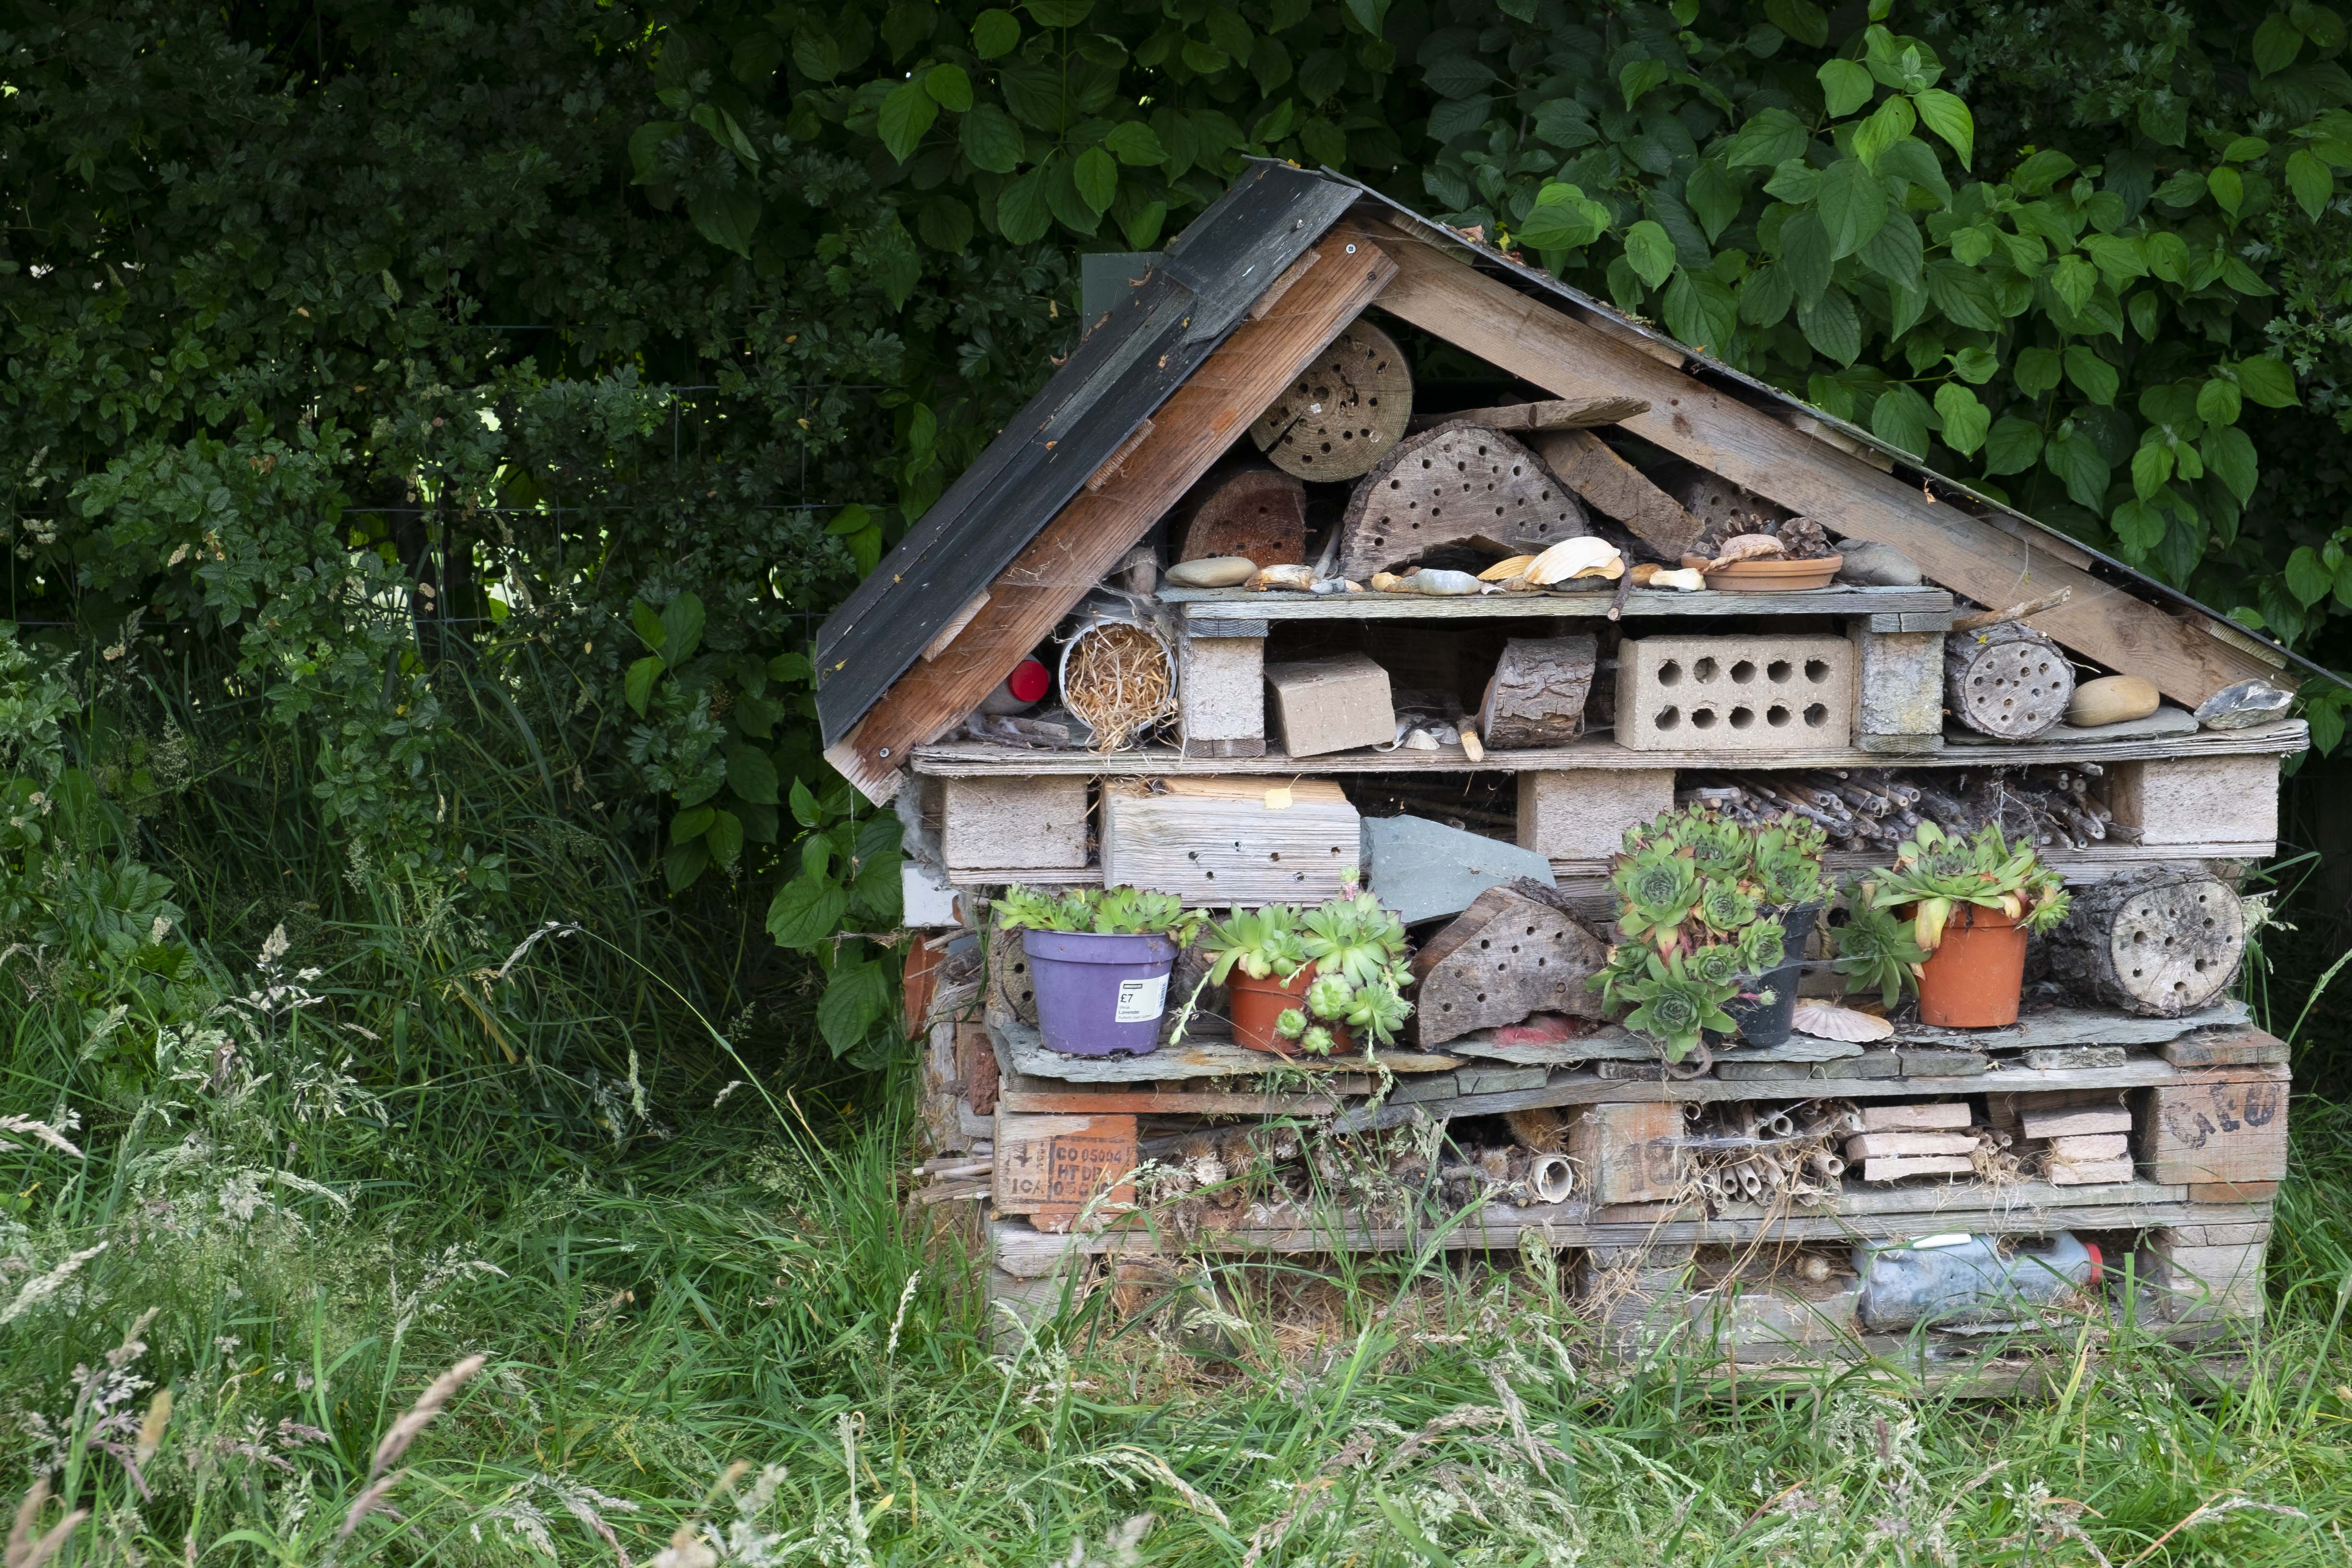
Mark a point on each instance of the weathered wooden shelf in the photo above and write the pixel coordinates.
(1197, 607)
(1022, 1050)
(984, 759)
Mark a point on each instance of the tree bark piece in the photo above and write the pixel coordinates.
(2008, 680)
(2160, 942)
(1257, 512)
(1345, 412)
(1536, 695)
(1616, 489)
(1457, 483)
(1504, 957)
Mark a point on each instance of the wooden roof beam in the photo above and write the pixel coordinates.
(1086, 538)
(1748, 446)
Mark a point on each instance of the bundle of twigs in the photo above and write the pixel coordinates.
(1753, 1151)
(1879, 808)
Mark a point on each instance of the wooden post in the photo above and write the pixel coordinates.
(1629, 1153)
(1618, 489)
(2227, 1128)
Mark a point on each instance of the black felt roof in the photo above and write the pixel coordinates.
(1120, 373)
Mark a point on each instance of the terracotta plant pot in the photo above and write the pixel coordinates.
(1972, 979)
(1257, 1004)
(1774, 576)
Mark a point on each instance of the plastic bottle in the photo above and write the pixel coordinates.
(1957, 1277)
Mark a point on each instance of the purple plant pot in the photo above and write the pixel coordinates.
(1098, 995)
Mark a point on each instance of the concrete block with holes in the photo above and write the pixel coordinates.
(1750, 695)
(1036, 823)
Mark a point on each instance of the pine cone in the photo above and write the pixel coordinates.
(1806, 540)
(1711, 541)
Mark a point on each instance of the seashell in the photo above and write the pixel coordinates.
(1686, 579)
(1749, 547)
(1211, 572)
(1299, 579)
(1572, 558)
(1447, 735)
(2111, 700)
(1420, 740)
(1829, 1022)
(1502, 570)
(1444, 582)
(2244, 705)
(1328, 585)
(1390, 583)
(1350, 586)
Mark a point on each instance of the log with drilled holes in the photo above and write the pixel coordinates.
(1503, 957)
(2008, 681)
(1260, 513)
(1455, 484)
(1536, 695)
(1345, 412)
(2160, 942)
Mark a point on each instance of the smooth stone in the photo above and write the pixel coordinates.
(2113, 700)
(1425, 870)
(2244, 705)
(1943, 1064)
(2164, 721)
(1211, 572)
(1877, 566)
(2063, 1058)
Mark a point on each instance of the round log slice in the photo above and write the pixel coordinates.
(1260, 513)
(1457, 483)
(1010, 989)
(2008, 680)
(1345, 412)
(2160, 942)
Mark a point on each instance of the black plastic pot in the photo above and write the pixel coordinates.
(1770, 1023)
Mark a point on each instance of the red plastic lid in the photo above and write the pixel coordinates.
(1029, 681)
(2098, 1264)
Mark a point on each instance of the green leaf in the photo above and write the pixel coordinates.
(750, 774)
(2071, 455)
(856, 999)
(944, 223)
(2306, 579)
(994, 33)
(2168, 256)
(2012, 446)
(1563, 218)
(1098, 178)
(815, 53)
(905, 115)
(2164, 117)
(1852, 204)
(692, 824)
(2038, 370)
(646, 143)
(2311, 179)
(1966, 419)
(2118, 258)
(725, 837)
(992, 140)
(1698, 309)
(682, 863)
(1975, 365)
(2268, 381)
(1651, 253)
(1801, 19)
(682, 621)
(728, 217)
(1765, 295)
(2228, 188)
(1768, 140)
(1058, 13)
(2147, 313)
(2093, 376)
(1368, 14)
(1805, 252)
(1948, 117)
(1900, 418)
(805, 910)
(1846, 86)
(1894, 252)
(1640, 76)
(2219, 402)
(2041, 171)
(637, 685)
(647, 623)
(1022, 215)
(2151, 469)
(2138, 525)
(2276, 43)
(1964, 295)
(2073, 280)
(789, 667)
(1890, 122)
(1132, 142)
(804, 805)
(1142, 228)
(1832, 325)
(947, 87)
(2229, 454)
(1714, 199)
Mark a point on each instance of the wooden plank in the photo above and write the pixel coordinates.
(2221, 1125)
(1058, 568)
(1749, 447)
(967, 759)
(1543, 414)
(1587, 465)
(1206, 607)
(1052, 1167)
(1629, 1153)
(1196, 1058)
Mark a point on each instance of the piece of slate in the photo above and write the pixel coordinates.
(2071, 1026)
(1606, 1043)
(2062, 1059)
(1425, 870)
(2165, 720)
(1869, 1064)
(1499, 1080)
(1929, 1061)
(1795, 1048)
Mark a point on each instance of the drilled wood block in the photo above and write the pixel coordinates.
(1504, 957)
(1583, 815)
(2197, 800)
(1037, 821)
(1629, 1153)
(1459, 482)
(1221, 695)
(1745, 695)
(1334, 704)
(2221, 1130)
(1222, 842)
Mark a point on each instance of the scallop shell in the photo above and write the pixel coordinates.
(1298, 578)
(1829, 1022)
(1571, 558)
(1502, 571)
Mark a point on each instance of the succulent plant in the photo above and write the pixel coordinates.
(1724, 908)
(1762, 946)
(1103, 912)
(1718, 963)
(1356, 936)
(1672, 1007)
(1259, 942)
(1875, 951)
(1936, 872)
(1291, 1023)
(1330, 995)
(1317, 1041)
(1377, 1012)
(1656, 887)
(1787, 861)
